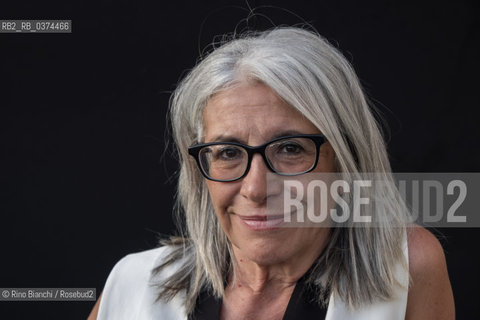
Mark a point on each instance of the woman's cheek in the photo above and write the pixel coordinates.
(222, 195)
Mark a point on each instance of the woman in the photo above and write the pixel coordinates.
(249, 108)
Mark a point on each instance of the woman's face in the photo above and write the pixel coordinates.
(253, 114)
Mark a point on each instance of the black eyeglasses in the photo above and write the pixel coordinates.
(230, 161)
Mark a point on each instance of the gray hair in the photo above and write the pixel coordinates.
(313, 77)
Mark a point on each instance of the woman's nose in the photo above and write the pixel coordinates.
(254, 184)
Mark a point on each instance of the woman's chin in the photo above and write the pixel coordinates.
(268, 254)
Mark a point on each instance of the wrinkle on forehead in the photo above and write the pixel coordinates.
(251, 112)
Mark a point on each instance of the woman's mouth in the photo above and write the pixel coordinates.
(262, 222)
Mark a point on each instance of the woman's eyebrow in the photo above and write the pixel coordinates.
(287, 133)
(227, 138)
(230, 138)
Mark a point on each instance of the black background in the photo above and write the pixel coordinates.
(84, 179)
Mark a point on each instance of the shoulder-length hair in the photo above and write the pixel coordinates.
(314, 78)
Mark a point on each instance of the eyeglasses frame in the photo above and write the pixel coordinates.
(318, 139)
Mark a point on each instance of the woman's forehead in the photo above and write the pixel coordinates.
(246, 93)
(254, 111)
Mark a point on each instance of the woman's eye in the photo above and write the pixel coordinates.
(228, 153)
(290, 148)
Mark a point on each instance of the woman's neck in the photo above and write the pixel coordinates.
(259, 278)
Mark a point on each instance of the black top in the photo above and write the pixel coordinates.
(302, 305)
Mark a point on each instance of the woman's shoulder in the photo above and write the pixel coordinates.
(135, 266)
(140, 259)
(430, 293)
(130, 288)
(135, 269)
(424, 251)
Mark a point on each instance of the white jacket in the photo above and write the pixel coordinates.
(130, 295)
